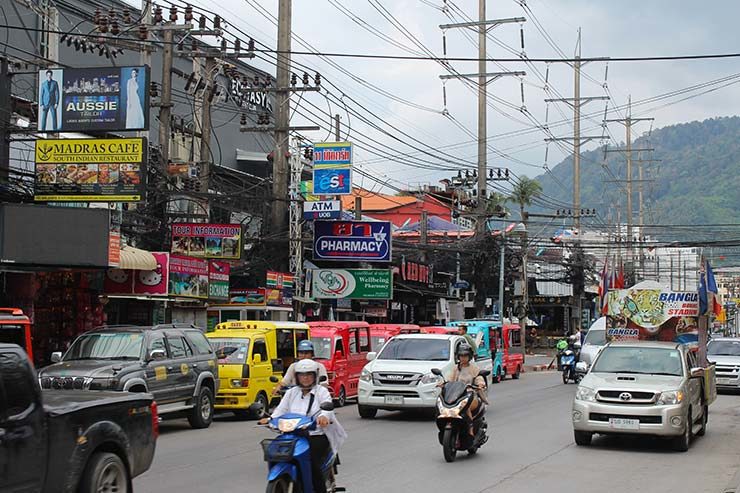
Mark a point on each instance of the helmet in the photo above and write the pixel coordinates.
(305, 345)
(307, 366)
(464, 349)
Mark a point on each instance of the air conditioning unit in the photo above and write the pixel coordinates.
(470, 296)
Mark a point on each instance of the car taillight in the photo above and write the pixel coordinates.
(155, 419)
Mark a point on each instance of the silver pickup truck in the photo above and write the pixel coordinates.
(725, 353)
(644, 388)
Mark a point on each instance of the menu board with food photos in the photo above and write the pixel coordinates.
(90, 170)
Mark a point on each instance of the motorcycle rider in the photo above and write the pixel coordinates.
(305, 351)
(466, 371)
(306, 398)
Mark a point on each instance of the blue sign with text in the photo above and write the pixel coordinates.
(332, 181)
(360, 241)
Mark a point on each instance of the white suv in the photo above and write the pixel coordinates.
(400, 376)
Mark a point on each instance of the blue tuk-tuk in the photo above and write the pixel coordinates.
(487, 333)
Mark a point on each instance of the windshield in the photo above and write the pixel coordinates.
(648, 361)
(106, 345)
(724, 348)
(322, 347)
(596, 337)
(376, 342)
(230, 350)
(13, 334)
(416, 349)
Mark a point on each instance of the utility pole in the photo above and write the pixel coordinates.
(282, 120)
(205, 127)
(424, 234)
(502, 259)
(337, 132)
(165, 108)
(6, 103)
(482, 26)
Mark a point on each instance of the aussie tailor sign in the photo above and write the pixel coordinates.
(93, 99)
(332, 155)
(360, 241)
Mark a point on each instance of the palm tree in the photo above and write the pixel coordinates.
(524, 193)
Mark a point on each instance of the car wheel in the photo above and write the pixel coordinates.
(582, 438)
(704, 418)
(518, 372)
(263, 401)
(105, 473)
(201, 415)
(682, 443)
(341, 397)
(367, 412)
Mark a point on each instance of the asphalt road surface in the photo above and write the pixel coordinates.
(531, 449)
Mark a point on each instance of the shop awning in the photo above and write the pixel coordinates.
(133, 258)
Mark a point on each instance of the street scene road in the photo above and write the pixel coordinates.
(531, 449)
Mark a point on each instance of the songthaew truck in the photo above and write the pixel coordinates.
(650, 378)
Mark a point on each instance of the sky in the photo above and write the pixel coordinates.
(609, 29)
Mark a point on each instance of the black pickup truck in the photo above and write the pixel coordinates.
(69, 441)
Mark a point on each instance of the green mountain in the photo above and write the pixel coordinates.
(697, 180)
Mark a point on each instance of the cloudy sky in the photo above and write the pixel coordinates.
(415, 116)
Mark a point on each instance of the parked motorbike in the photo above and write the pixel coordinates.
(289, 458)
(453, 422)
(568, 366)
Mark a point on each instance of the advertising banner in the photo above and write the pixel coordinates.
(188, 277)
(90, 170)
(325, 209)
(280, 297)
(143, 282)
(653, 314)
(248, 297)
(361, 241)
(416, 272)
(219, 241)
(93, 99)
(358, 284)
(332, 155)
(218, 280)
(279, 280)
(332, 181)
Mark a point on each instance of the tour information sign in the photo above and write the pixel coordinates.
(90, 170)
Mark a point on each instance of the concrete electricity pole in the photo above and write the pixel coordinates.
(482, 26)
(282, 120)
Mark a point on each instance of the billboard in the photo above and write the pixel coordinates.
(218, 279)
(204, 240)
(332, 155)
(359, 284)
(323, 209)
(360, 241)
(90, 170)
(248, 296)
(142, 282)
(93, 99)
(188, 277)
(332, 181)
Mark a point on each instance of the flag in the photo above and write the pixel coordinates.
(708, 291)
(620, 277)
(604, 288)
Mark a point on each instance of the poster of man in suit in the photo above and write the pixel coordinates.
(50, 115)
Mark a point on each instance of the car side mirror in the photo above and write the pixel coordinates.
(697, 373)
(327, 406)
(56, 356)
(371, 355)
(257, 359)
(437, 371)
(156, 354)
(274, 379)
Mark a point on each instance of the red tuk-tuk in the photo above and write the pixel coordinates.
(439, 329)
(342, 348)
(380, 333)
(509, 344)
(15, 328)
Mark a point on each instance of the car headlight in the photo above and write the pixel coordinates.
(366, 375)
(669, 398)
(288, 425)
(430, 378)
(585, 394)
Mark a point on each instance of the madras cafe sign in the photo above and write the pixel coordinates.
(363, 284)
(90, 170)
(361, 241)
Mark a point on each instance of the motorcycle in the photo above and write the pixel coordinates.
(289, 458)
(568, 366)
(453, 422)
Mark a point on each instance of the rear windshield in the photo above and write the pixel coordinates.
(597, 337)
(724, 348)
(230, 350)
(106, 345)
(416, 350)
(13, 334)
(647, 361)
(322, 347)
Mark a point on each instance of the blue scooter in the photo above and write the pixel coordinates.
(289, 458)
(568, 366)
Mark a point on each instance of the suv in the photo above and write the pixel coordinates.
(645, 388)
(173, 362)
(400, 376)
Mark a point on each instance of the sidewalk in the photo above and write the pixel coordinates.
(539, 362)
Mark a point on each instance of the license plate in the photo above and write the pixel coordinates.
(396, 400)
(624, 424)
(723, 381)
